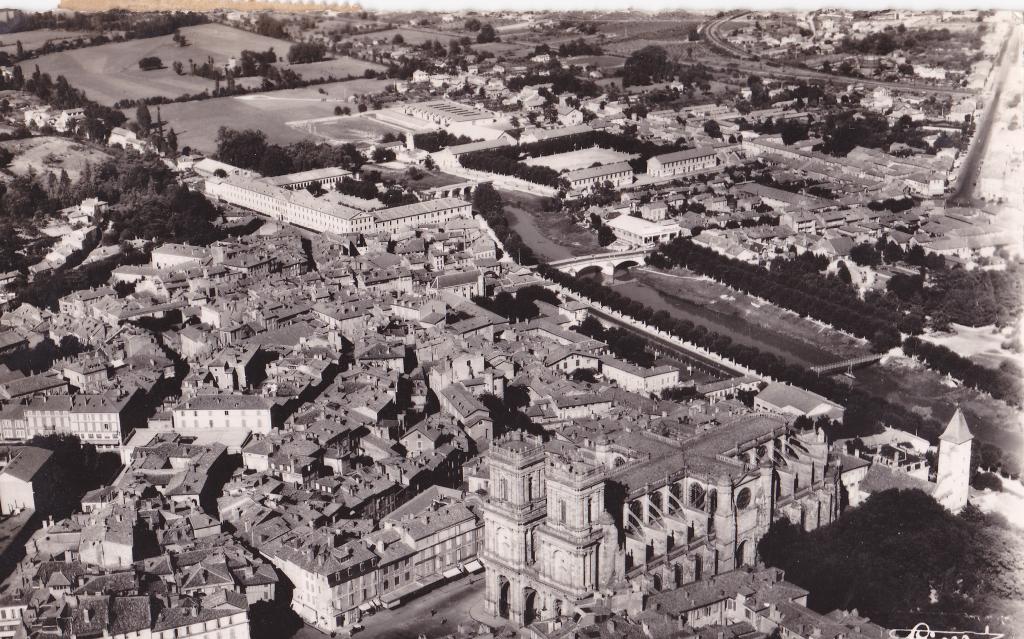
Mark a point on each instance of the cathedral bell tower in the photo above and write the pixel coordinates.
(953, 474)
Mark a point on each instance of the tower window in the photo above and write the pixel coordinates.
(561, 511)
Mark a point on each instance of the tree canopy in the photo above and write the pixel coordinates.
(901, 558)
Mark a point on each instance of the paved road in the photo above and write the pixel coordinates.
(970, 170)
(452, 602)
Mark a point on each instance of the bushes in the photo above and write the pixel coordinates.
(999, 383)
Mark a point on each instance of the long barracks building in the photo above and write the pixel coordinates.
(323, 214)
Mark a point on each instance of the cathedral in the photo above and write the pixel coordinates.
(604, 510)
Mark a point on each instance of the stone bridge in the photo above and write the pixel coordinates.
(606, 263)
(462, 190)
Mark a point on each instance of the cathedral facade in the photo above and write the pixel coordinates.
(572, 520)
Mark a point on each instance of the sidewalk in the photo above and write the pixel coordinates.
(480, 615)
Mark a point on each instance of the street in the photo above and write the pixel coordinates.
(451, 601)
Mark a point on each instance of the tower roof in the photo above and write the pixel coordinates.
(957, 431)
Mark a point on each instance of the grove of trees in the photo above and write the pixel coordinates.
(249, 149)
(900, 558)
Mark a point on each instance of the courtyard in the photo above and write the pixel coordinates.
(579, 159)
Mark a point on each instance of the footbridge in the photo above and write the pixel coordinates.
(847, 364)
(606, 263)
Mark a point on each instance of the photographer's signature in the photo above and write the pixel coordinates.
(922, 631)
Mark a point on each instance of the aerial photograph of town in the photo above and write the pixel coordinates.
(327, 322)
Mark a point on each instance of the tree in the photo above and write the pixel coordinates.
(178, 67)
(150, 63)
(398, 39)
(486, 34)
(844, 273)
(472, 24)
(143, 117)
(889, 558)
(381, 154)
(647, 65)
(865, 254)
(793, 131)
(713, 129)
(172, 141)
(6, 156)
(605, 235)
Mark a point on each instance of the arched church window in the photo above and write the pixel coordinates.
(697, 496)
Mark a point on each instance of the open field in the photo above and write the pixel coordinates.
(32, 40)
(429, 180)
(741, 317)
(598, 61)
(502, 48)
(352, 128)
(342, 67)
(579, 159)
(413, 36)
(45, 154)
(110, 72)
(982, 344)
(196, 123)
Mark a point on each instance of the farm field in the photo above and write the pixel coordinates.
(352, 128)
(413, 36)
(579, 159)
(196, 123)
(110, 72)
(45, 154)
(342, 67)
(31, 40)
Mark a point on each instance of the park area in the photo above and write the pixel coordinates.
(51, 154)
(744, 319)
(581, 159)
(196, 123)
(110, 72)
